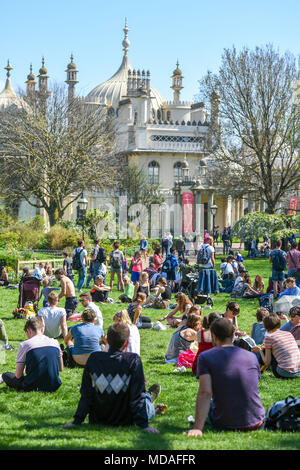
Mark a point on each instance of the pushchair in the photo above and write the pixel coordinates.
(29, 288)
(189, 287)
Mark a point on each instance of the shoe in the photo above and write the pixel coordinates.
(8, 347)
(62, 347)
(154, 391)
(160, 409)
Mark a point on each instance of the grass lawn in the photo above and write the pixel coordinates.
(33, 420)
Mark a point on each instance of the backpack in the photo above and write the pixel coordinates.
(279, 262)
(203, 256)
(266, 302)
(77, 263)
(167, 266)
(296, 333)
(101, 255)
(116, 259)
(284, 415)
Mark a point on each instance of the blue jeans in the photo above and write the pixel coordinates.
(94, 272)
(81, 277)
(149, 407)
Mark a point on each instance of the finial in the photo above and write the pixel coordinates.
(43, 61)
(8, 68)
(30, 68)
(177, 64)
(126, 42)
(72, 58)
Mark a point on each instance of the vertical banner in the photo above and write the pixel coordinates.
(293, 205)
(187, 212)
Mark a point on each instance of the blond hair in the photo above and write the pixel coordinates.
(123, 317)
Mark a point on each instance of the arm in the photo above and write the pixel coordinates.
(171, 314)
(63, 325)
(189, 334)
(212, 258)
(63, 289)
(202, 405)
(85, 401)
(20, 367)
(68, 338)
(61, 363)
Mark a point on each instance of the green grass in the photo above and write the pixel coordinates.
(33, 420)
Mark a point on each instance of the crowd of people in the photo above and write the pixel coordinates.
(114, 390)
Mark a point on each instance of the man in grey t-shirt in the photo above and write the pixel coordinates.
(54, 318)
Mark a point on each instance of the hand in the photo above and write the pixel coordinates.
(194, 433)
(152, 430)
(68, 425)
(256, 349)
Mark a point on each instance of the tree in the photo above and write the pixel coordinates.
(256, 148)
(49, 155)
(259, 224)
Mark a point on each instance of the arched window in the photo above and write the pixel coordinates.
(153, 172)
(177, 171)
(158, 114)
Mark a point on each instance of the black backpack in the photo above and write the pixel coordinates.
(203, 256)
(167, 266)
(76, 263)
(101, 255)
(284, 415)
(279, 261)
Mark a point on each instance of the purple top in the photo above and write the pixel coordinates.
(234, 374)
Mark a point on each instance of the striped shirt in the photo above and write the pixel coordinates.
(284, 349)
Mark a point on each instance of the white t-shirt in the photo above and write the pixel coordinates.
(52, 317)
(99, 317)
(39, 272)
(228, 268)
(209, 249)
(134, 340)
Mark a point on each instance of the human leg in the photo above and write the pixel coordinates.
(120, 279)
(81, 277)
(3, 334)
(71, 305)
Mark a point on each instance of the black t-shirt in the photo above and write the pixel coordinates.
(167, 294)
(68, 265)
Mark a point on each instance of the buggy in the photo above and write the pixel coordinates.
(29, 288)
(189, 287)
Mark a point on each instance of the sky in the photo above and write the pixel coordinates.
(160, 32)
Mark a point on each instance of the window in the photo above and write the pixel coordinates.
(153, 172)
(177, 171)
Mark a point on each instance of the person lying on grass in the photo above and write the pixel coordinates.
(182, 301)
(113, 386)
(228, 391)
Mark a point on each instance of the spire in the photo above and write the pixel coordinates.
(177, 83)
(8, 68)
(30, 90)
(126, 42)
(71, 79)
(8, 85)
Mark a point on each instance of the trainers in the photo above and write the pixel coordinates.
(154, 391)
(8, 347)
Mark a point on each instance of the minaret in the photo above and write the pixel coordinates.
(177, 83)
(71, 80)
(43, 79)
(30, 84)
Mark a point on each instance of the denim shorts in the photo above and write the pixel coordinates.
(278, 275)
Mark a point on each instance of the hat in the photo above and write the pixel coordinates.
(98, 278)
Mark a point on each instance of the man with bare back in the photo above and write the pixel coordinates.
(68, 291)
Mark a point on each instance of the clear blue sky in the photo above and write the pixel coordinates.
(195, 32)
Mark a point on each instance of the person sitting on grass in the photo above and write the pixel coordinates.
(134, 340)
(291, 288)
(182, 339)
(86, 301)
(128, 291)
(40, 356)
(4, 280)
(182, 302)
(46, 291)
(55, 318)
(204, 337)
(280, 351)
(135, 310)
(294, 315)
(256, 290)
(142, 286)
(161, 296)
(221, 370)
(231, 313)
(99, 291)
(86, 337)
(227, 283)
(113, 389)
(258, 331)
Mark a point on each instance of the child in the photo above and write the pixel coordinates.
(258, 331)
(46, 291)
(136, 267)
(204, 337)
(128, 292)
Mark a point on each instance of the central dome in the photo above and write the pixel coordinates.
(111, 92)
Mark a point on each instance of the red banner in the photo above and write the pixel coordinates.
(187, 212)
(293, 205)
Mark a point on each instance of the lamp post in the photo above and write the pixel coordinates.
(214, 210)
(82, 205)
